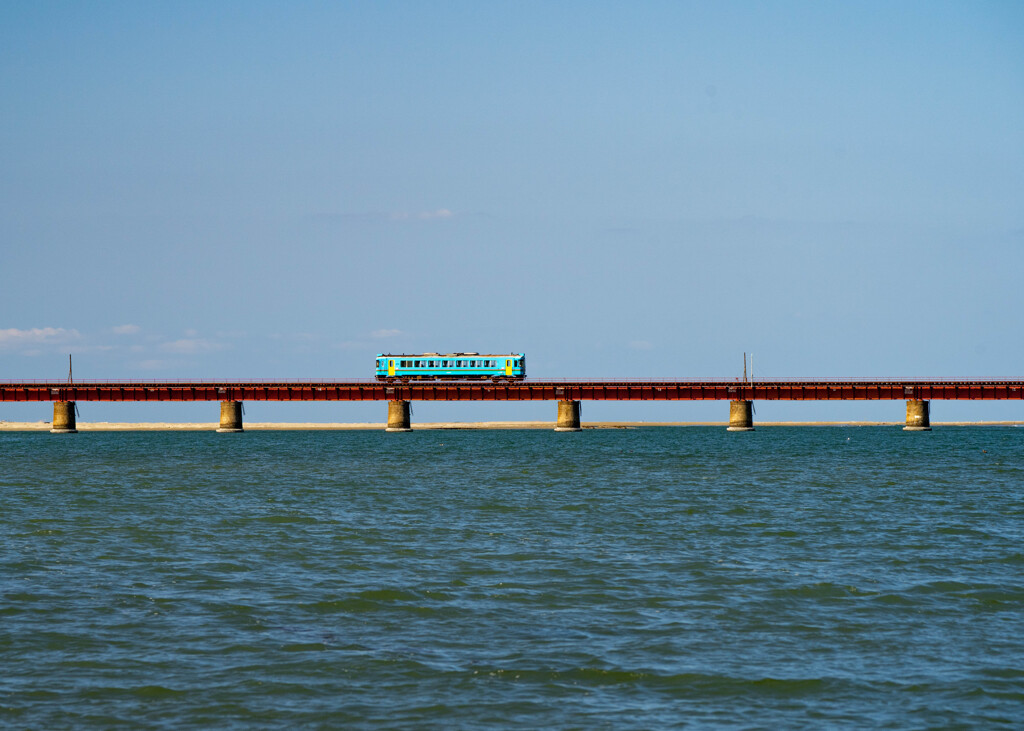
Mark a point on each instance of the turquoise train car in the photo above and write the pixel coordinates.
(450, 366)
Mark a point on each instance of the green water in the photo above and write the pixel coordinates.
(649, 578)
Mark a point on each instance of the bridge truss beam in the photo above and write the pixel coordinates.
(518, 391)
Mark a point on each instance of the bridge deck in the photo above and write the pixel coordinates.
(527, 390)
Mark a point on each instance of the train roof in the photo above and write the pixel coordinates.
(448, 355)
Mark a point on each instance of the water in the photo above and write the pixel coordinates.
(649, 578)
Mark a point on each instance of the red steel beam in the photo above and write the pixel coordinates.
(515, 391)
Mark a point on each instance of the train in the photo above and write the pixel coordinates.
(450, 366)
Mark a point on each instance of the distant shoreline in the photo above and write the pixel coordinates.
(98, 426)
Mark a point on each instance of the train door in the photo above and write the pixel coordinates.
(391, 367)
(508, 366)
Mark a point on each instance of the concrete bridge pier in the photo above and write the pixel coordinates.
(399, 416)
(568, 416)
(230, 417)
(918, 416)
(741, 416)
(64, 418)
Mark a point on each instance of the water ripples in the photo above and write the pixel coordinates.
(619, 579)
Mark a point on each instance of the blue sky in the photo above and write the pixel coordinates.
(282, 190)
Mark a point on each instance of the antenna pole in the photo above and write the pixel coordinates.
(71, 380)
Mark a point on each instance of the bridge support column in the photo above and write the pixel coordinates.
(230, 417)
(568, 416)
(918, 416)
(64, 418)
(398, 416)
(741, 416)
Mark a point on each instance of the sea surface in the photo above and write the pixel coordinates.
(614, 579)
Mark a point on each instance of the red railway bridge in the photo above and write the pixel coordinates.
(568, 393)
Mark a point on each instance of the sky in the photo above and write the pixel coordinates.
(251, 190)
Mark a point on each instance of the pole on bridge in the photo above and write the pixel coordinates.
(64, 411)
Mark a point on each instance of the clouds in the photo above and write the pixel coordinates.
(41, 341)
(439, 214)
(191, 346)
(128, 349)
(14, 339)
(370, 341)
